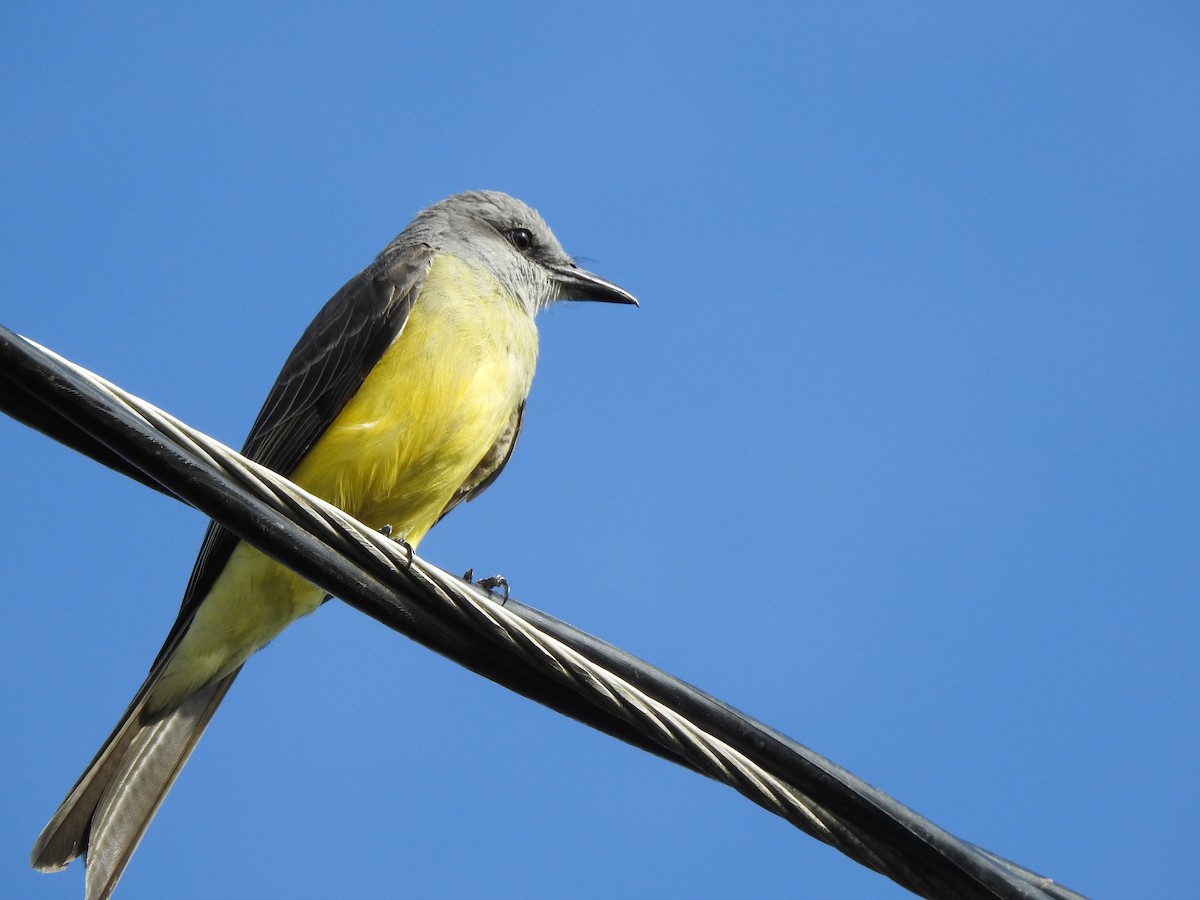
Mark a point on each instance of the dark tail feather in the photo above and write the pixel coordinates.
(110, 807)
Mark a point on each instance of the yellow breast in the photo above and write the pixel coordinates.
(433, 406)
(429, 411)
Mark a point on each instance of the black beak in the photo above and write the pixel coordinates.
(580, 284)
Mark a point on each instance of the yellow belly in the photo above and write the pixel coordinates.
(432, 407)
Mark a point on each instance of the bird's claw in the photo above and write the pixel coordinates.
(489, 584)
(386, 531)
(492, 582)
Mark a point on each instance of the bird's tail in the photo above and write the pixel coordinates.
(109, 808)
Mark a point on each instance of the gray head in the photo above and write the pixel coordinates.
(506, 237)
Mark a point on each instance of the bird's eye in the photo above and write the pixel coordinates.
(521, 238)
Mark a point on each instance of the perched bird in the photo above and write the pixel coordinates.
(402, 399)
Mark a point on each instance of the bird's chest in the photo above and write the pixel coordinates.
(432, 407)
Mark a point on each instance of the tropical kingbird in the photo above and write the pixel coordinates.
(402, 399)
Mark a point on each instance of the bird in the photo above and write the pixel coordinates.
(402, 399)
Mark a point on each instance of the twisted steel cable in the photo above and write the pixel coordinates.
(504, 640)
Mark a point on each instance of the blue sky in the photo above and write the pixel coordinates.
(899, 454)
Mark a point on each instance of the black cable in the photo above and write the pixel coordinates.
(858, 819)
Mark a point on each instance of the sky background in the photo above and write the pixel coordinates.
(899, 454)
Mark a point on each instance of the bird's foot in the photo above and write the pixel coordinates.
(386, 531)
(489, 584)
(492, 582)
